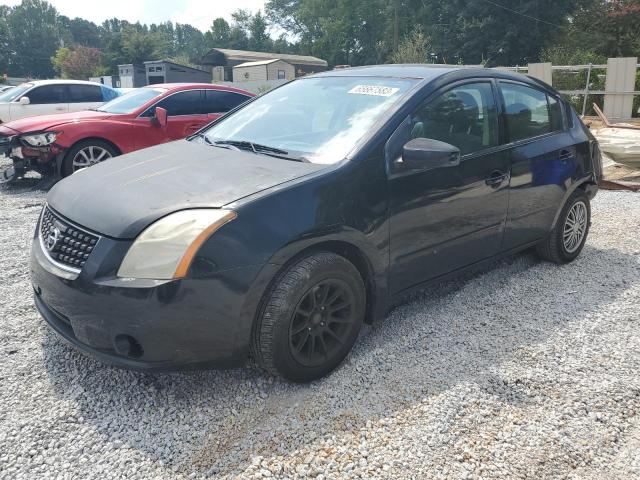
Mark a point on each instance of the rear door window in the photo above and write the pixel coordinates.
(218, 101)
(85, 94)
(530, 112)
(47, 94)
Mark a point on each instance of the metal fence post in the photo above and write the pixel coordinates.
(586, 90)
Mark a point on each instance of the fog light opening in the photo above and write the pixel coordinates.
(127, 346)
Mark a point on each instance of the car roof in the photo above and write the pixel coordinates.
(393, 70)
(57, 81)
(187, 86)
(428, 73)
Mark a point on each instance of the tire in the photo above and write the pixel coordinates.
(554, 248)
(304, 330)
(96, 146)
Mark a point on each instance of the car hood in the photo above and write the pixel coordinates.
(122, 196)
(47, 122)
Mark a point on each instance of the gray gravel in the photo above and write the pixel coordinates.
(527, 370)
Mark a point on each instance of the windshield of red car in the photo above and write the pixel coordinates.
(132, 101)
(318, 119)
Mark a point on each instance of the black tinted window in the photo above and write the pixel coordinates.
(84, 94)
(527, 111)
(220, 102)
(48, 94)
(465, 117)
(183, 103)
(556, 115)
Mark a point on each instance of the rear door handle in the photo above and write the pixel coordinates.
(495, 179)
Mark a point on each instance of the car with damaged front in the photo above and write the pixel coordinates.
(59, 145)
(281, 228)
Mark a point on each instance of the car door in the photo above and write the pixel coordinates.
(542, 157)
(43, 100)
(449, 217)
(84, 97)
(185, 116)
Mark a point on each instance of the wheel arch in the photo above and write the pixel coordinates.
(588, 184)
(374, 280)
(63, 156)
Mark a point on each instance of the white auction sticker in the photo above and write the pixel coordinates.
(374, 90)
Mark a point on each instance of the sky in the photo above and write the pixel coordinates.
(199, 13)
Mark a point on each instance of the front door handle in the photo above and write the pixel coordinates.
(495, 179)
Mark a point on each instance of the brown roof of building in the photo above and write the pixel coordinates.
(257, 56)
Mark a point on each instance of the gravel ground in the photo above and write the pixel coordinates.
(526, 370)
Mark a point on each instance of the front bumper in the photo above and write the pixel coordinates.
(148, 325)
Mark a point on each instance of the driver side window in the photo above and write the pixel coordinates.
(465, 117)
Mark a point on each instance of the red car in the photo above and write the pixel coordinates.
(62, 144)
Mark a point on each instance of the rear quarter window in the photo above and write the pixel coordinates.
(217, 101)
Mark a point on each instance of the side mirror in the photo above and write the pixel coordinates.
(425, 154)
(161, 116)
(24, 101)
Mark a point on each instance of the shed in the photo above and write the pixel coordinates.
(264, 70)
(132, 75)
(166, 71)
(227, 58)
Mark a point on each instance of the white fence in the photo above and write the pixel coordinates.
(620, 89)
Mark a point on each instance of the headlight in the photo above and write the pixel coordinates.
(39, 139)
(165, 250)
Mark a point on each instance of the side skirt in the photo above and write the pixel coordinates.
(400, 297)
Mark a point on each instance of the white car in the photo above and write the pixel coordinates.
(44, 97)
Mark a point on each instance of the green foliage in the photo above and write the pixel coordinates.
(78, 62)
(413, 49)
(33, 38)
(353, 32)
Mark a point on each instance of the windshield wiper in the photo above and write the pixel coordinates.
(254, 147)
(258, 148)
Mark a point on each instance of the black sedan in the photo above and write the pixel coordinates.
(276, 231)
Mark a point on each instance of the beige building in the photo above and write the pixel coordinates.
(263, 71)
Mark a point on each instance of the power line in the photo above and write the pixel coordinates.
(522, 14)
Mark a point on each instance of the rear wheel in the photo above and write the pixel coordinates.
(310, 318)
(567, 239)
(86, 154)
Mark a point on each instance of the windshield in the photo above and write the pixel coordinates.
(130, 102)
(12, 94)
(319, 119)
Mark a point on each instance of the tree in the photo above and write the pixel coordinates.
(610, 28)
(259, 39)
(5, 40)
(78, 62)
(34, 35)
(413, 49)
(220, 34)
(140, 46)
(496, 32)
(189, 42)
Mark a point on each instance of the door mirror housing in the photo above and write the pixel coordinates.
(422, 154)
(25, 101)
(160, 116)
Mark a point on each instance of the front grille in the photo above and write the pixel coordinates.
(65, 243)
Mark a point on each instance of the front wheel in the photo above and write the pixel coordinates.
(86, 154)
(567, 239)
(310, 318)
